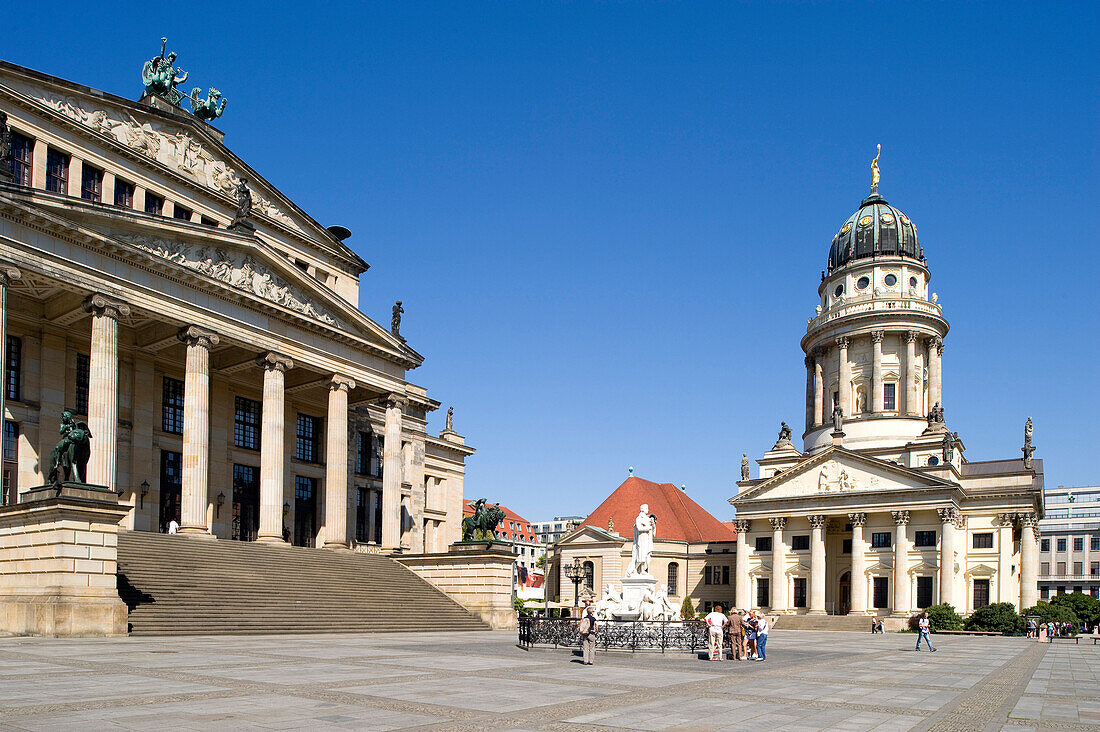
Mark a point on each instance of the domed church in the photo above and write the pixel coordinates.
(881, 513)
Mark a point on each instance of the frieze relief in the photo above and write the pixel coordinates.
(176, 149)
(240, 271)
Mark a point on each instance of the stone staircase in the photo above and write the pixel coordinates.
(177, 584)
(823, 622)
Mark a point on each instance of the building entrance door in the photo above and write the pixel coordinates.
(844, 606)
(305, 510)
(246, 503)
(171, 487)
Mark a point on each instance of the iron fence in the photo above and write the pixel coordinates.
(623, 635)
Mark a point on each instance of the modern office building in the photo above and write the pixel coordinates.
(1069, 542)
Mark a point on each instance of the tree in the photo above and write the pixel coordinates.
(940, 617)
(541, 562)
(518, 604)
(1051, 613)
(687, 610)
(1000, 617)
(1085, 607)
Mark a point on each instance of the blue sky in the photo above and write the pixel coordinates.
(607, 221)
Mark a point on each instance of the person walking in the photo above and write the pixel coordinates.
(750, 634)
(924, 625)
(716, 620)
(737, 635)
(762, 628)
(588, 628)
(1031, 628)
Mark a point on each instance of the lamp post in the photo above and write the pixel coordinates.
(575, 573)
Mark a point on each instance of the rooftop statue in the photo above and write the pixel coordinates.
(744, 466)
(935, 414)
(207, 109)
(395, 320)
(784, 432)
(160, 75)
(838, 418)
(70, 457)
(243, 218)
(450, 419)
(1028, 449)
(875, 171)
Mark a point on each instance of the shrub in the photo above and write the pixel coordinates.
(519, 605)
(1085, 607)
(940, 617)
(1000, 617)
(1051, 613)
(687, 610)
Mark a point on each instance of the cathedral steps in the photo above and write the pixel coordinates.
(176, 584)
(860, 623)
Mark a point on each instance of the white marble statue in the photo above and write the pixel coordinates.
(610, 603)
(823, 478)
(644, 526)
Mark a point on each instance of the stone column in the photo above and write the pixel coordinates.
(7, 274)
(336, 463)
(1029, 561)
(858, 590)
(391, 474)
(779, 559)
(901, 563)
(935, 351)
(103, 388)
(196, 429)
(809, 360)
(948, 516)
(372, 516)
(844, 385)
(817, 564)
(877, 403)
(1005, 591)
(272, 446)
(742, 585)
(819, 389)
(912, 405)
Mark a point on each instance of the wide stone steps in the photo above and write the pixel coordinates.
(823, 622)
(175, 584)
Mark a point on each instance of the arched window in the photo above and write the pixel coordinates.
(673, 578)
(589, 575)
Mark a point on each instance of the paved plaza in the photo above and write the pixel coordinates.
(473, 681)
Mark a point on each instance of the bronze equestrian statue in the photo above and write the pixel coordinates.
(70, 457)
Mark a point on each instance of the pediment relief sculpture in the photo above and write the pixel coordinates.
(241, 271)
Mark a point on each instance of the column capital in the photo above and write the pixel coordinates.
(1028, 518)
(820, 351)
(194, 335)
(742, 526)
(842, 342)
(103, 306)
(394, 400)
(857, 519)
(340, 382)
(778, 524)
(936, 343)
(877, 336)
(275, 361)
(901, 518)
(809, 360)
(817, 520)
(948, 515)
(910, 336)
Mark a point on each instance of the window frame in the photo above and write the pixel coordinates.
(798, 592)
(247, 423)
(158, 209)
(889, 397)
(763, 592)
(90, 173)
(878, 542)
(1078, 543)
(800, 543)
(763, 544)
(13, 368)
(171, 416)
(83, 383)
(307, 438)
(981, 540)
(917, 543)
(21, 167)
(58, 163)
(124, 189)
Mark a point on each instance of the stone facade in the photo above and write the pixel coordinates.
(476, 577)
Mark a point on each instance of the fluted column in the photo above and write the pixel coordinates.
(391, 474)
(935, 387)
(948, 517)
(844, 385)
(779, 559)
(742, 586)
(901, 563)
(877, 405)
(809, 360)
(272, 447)
(1029, 562)
(817, 564)
(819, 388)
(103, 388)
(912, 405)
(196, 429)
(336, 463)
(858, 589)
(1005, 591)
(7, 276)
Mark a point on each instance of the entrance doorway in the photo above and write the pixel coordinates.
(246, 503)
(171, 487)
(844, 605)
(305, 510)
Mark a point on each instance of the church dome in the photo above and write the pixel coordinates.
(876, 229)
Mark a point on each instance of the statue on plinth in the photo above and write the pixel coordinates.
(875, 173)
(948, 448)
(207, 109)
(744, 466)
(481, 526)
(243, 218)
(450, 419)
(70, 457)
(395, 320)
(160, 75)
(784, 434)
(1028, 448)
(935, 415)
(644, 527)
(838, 418)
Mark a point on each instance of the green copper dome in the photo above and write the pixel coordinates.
(876, 229)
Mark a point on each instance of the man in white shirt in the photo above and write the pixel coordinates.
(762, 628)
(715, 621)
(924, 626)
(173, 526)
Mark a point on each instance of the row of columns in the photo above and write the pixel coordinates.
(949, 520)
(910, 397)
(103, 424)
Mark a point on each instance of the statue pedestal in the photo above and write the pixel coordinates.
(634, 589)
(476, 575)
(838, 437)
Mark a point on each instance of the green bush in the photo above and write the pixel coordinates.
(519, 605)
(1000, 617)
(940, 617)
(687, 610)
(1051, 613)
(1085, 607)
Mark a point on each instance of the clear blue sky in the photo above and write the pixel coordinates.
(607, 221)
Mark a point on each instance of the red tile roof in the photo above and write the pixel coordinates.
(524, 531)
(678, 517)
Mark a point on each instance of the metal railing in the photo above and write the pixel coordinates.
(622, 635)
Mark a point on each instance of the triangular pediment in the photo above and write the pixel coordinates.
(981, 570)
(585, 534)
(837, 471)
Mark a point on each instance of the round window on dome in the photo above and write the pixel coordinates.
(933, 460)
(905, 219)
(863, 283)
(890, 280)
(838, 291)
(887, 218)
(865, 221)
(847, 228)
(912, 281)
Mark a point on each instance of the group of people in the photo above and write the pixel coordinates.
(1050, 629)
(748, 634)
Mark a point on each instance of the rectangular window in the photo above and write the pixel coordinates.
(1078, 568)
(706, 575)
(377, 459)
(246, 424)
(880, 592)
(362, 453)
(763, 543)
(1061, 545)
(22, 154)
(983, 541)
(171, 482)
(925, 538)
(800, 543)
(205, 221)
(725, 575)
(181, 213)
(1094, 544)
(124, 193)
(880, 540)
(981, 593)
(1094, 569)
(172, 406)
(13, 369)
(1061, 569)
(83, 376)
(246, 503)
(9, 489)
(1078, 544)
(57, 171)
(924, 592)
(889, 397)
(1044, 568)
(763, 592)
(1045, 545)
(308, 437)
(91, 183)
(1044, 592)
(800, 592)
(154, 204)
(305, 510)
(846, 546)
(378, 517)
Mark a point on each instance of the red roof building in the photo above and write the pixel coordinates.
(678, 517)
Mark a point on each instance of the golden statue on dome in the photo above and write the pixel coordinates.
(875, 171)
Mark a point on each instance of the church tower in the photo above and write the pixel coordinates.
(874, 346)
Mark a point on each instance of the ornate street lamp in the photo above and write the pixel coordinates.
(575, 573)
